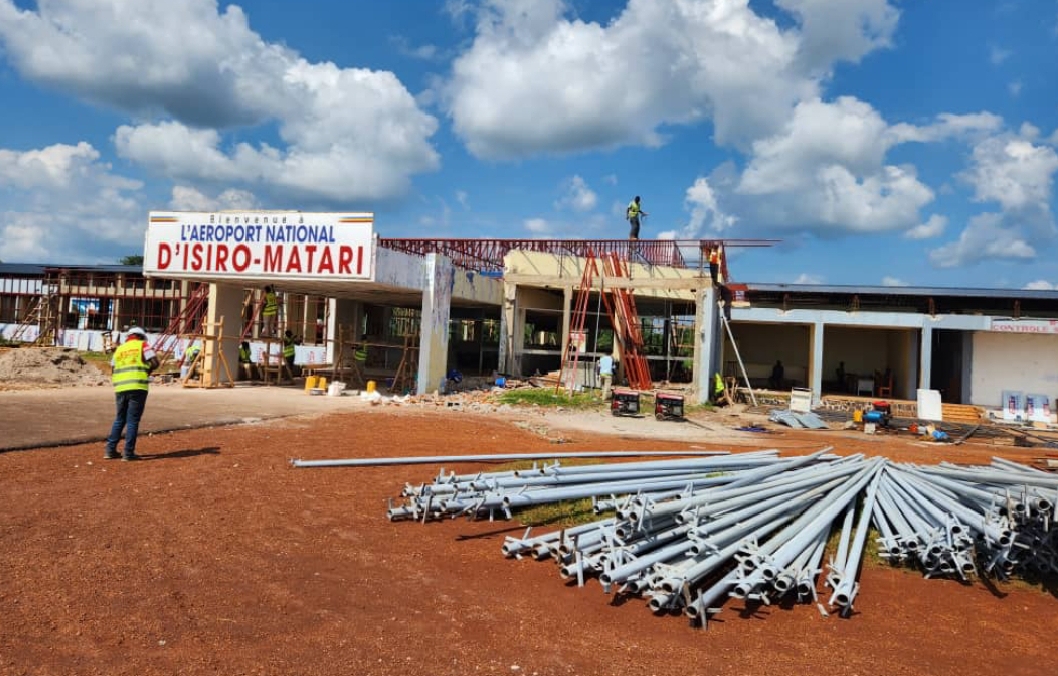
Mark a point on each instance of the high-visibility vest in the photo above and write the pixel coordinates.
(271, 306)
(130, 371)
(718, 383)
(633, 210)
(714, 257)
(288, 347)
(361, 353)
(244, 355)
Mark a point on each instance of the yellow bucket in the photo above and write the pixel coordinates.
(371, 386)
(857, 416)
(322, 383)
(310, 383)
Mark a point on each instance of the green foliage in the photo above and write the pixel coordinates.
(564, 513)
(135, 259)
(547, 396)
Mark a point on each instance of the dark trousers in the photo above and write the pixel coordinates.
(714, 271)
(130, 407)
(634, 232)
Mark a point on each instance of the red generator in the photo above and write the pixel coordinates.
(668, 406)
(624, 402)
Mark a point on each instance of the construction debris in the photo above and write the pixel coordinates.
(36, 367)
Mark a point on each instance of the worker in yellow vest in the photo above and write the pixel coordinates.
(270, 313)
(714, 264)
(247, 369)
(633, 213)
(718, 390)
(289, 349)
(132, 365)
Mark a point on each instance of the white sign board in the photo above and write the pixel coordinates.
(259, 244)
(1045, 326)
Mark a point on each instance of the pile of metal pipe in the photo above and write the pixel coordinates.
(685, 534)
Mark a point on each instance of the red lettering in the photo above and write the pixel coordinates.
(294, 262)
(196, 256)
(273, 258)
(222, 258)
(326, 261)
(186, 247)
(345, 257)
(209, 257)
(240, 258)
(310, 249)
(165, 256)
(359, 260)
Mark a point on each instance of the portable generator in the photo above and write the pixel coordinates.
(668, 406)
(624, 402)
(880, 414)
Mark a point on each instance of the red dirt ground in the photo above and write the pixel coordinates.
(215, 556)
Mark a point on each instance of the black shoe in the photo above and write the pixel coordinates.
(111, 456)
(133, 456)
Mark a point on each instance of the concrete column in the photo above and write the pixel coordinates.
(707, 342)
(925, 355)
(815, 362)
(567, 304)
(505, 361)
(436, 311)
(224, 301)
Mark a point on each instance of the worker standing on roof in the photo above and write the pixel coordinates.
(270, 312)
(132, 365)
(714, 264)
(632, 213)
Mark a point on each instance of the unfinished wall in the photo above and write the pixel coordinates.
(761, 344)
(1004, 361)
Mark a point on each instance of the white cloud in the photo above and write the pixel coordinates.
(185, 198)
(1012, 171)
(808, 278)
(537, 226)
(893, 281)
(62, 205)
(998, 55)
(1014, 87)
(463, 199)
(825, 172)
(840, 29)
(931, 228)
(576, 195)
(348, 134)
(1040, 285)
(985, 238)
(658, 62)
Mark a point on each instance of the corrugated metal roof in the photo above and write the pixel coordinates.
(21, 269)
(937, 291)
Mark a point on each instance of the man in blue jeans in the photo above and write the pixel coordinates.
(133, 363)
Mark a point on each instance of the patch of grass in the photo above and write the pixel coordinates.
(549, 397)
(564, 513)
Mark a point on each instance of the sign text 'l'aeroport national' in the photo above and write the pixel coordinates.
(280, 244)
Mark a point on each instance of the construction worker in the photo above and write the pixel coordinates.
(719, 397)
(605, 368)
(132, 365)
(190, 363)
(632, 213)
(714, 264)
(360, 354)
(270, 311)
(289, 344)
(247, 370)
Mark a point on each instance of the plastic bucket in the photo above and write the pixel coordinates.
(321, 383)
(311, 382)
(857, 416)
(371, 386)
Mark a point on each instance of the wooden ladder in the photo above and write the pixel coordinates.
(621, 307)
(405, 375)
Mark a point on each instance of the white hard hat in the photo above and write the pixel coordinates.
(137, 331)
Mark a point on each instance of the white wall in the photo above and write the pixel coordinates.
(1009, 361)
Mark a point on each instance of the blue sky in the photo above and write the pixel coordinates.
(884, 142)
